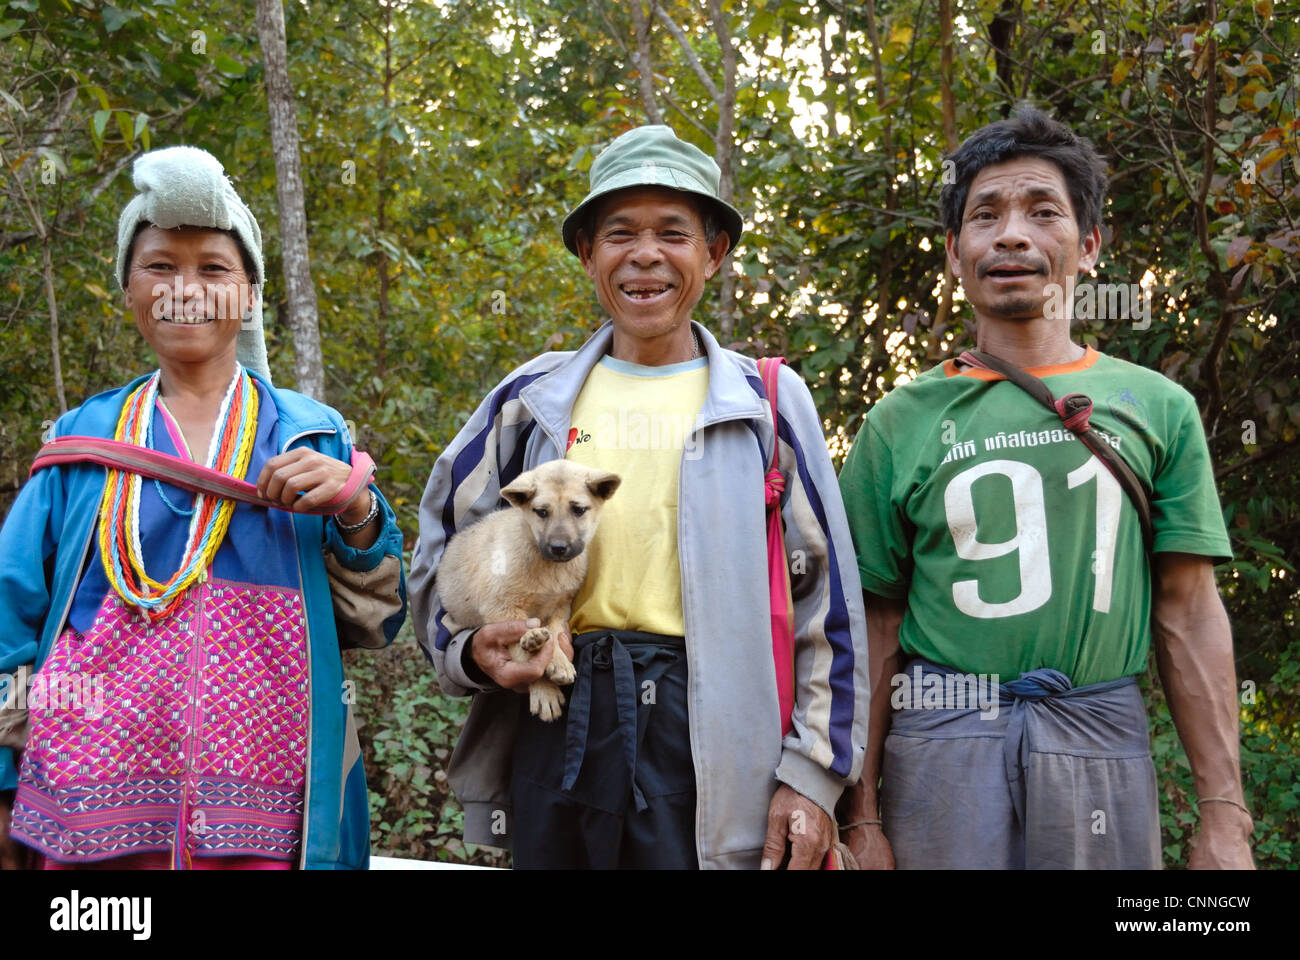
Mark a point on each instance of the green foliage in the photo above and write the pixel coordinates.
(442, 143)
(407, 731)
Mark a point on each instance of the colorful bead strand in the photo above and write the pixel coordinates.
(119, 515)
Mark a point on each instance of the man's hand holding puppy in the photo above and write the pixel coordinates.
(489, 645)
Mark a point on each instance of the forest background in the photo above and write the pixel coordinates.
(440, 144)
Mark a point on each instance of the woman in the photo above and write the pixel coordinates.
(189, 704)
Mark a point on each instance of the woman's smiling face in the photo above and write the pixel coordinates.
(189, 292)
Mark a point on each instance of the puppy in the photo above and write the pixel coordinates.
(528, 560)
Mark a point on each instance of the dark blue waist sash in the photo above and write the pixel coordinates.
(631, 655)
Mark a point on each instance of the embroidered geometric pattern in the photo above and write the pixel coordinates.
(195, 735)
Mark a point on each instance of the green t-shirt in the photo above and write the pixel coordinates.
(1013, 545)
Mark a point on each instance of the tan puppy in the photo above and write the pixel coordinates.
(529, 560)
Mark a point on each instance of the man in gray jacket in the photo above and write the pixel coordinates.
(670, 752)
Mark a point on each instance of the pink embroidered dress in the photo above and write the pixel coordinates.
(185, 740)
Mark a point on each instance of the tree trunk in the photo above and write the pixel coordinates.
(55, 354)
(644, 64)
(885, 265)
(300, 295)
(949, 141)
(724, 150)
(381, 351)
(47, 269)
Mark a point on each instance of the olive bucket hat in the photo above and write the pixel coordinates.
(654, 156)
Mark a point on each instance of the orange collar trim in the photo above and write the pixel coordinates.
(1083, 363)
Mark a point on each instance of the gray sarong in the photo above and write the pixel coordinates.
(1060, 778)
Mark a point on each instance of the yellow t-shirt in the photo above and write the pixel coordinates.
(636, 421)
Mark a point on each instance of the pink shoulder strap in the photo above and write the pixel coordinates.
(769, 369)
(186, 474)
(778, 571)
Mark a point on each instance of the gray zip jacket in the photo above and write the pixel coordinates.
(735, 727)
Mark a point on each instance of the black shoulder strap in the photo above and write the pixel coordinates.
(1074, 410)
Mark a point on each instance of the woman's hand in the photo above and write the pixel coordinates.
(303, 479)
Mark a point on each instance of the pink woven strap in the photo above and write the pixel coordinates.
(1074, 411)
(780, 604)
(775, 486)
(188, 475)
(769, 368)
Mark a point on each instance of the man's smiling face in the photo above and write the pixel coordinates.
(1019, 235)
(649, 259)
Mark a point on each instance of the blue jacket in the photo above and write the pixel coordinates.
(49, 532)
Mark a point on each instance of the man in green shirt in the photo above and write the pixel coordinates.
(1004, 564)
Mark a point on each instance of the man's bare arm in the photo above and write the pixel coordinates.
(1194, 653)
(862, 802)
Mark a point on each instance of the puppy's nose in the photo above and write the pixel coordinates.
(557, 549)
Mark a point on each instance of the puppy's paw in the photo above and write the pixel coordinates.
(561, 671)
(534, 639)
(545, 700)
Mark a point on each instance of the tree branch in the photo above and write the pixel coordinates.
(705, 80)
(689, 117)
(645, 72)
(1259, 456)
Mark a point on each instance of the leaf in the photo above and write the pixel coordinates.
(1237, 249)
(124, 125)
(229, 65)
(12, 102)
(99, 122)
(1122, 70)
(54, 158)
(116, 17)
(9, 27)
(1268, 159)
(151, 62)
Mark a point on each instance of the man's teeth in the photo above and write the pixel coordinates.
(643, 293)
(190, 320)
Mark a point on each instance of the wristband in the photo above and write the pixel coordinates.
(358, 527)
(1240, 806)
(861, 823)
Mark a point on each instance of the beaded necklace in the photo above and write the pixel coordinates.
(119, 510)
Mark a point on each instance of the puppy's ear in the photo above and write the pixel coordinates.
(602, 485)
(520, 492)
